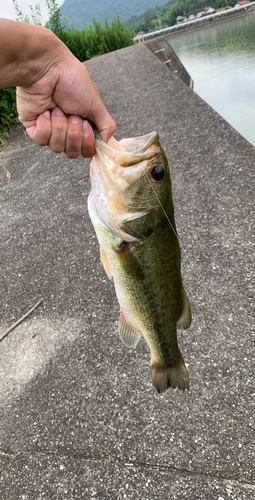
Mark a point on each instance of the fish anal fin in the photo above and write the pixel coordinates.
(185, 319)
(164, 377)
(128, 335)
(105, 263)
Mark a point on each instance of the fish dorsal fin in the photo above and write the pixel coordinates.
(105, 263)
(128, 335)
(185, 320)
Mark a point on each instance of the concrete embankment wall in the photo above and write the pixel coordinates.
(164, 52)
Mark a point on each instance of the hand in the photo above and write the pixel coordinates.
(68, 91)
(69, 134)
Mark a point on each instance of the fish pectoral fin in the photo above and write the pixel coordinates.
(185, 320)
(105, 263)
(128, 261)
(128, 335)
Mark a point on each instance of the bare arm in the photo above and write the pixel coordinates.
(56, 98)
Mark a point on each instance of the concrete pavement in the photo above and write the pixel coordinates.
(79, 415)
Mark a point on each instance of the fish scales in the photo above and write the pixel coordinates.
(140, 249)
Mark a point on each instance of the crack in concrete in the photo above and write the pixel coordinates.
(75, 456)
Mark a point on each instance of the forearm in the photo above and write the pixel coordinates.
(27, 52)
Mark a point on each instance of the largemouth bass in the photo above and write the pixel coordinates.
(132, 211)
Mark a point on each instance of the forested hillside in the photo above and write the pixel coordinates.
(81, 12)
(161, 17)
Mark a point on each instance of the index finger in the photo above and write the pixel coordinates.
(40, 129)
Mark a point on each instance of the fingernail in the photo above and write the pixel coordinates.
(59, 112)
(47, 114)
(86, 127)
(74, 119)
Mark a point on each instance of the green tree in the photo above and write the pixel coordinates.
(55, 23)
(35, 16)
(98, 39)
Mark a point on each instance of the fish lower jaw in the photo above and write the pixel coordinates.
(164, 377)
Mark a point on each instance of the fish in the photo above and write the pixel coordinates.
(131, 209)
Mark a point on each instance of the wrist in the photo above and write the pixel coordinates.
(27, 52)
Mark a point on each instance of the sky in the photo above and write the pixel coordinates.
(7, 10)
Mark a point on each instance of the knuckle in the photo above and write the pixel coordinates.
(56, 149)
(42, 141)
(88, 152)
(71, 155)
(74, 136)
(59, 128)
(57, 145)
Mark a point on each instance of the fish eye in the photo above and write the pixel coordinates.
(157, 173)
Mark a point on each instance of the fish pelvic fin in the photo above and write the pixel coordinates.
(128, 335)
(185, 319)
(164, 377)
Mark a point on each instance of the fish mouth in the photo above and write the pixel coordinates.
(121, 164)
(124, 162)
(114, 168)
(128, 152)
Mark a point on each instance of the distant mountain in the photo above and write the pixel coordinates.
(81, 12)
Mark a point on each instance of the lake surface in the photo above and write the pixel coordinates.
(220, 59)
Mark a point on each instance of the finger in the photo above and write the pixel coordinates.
(40, 132)
(59, 125)
(88, 140)
(74, 136)
(101, 118)
(106, 127)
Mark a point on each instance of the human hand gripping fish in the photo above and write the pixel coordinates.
(132, 211)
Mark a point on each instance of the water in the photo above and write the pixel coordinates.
(220, 59)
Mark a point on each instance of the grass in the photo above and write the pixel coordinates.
(8, 113)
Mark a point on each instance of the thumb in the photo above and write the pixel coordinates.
(103, 121)
(106, 127)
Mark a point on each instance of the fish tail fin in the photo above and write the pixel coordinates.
(173, 376)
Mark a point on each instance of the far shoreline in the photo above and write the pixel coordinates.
(207, 22)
